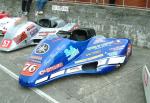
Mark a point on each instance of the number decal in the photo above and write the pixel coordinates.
(30, 69)
(6, 43)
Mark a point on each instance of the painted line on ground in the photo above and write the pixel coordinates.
(37, 91)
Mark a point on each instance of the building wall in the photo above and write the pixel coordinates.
(107, 21)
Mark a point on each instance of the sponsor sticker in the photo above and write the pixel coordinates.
(95, 47)
(30, 68)
(60, 8)
(102, 62)
(41, 80)
(46, 33)
(36, 59)
(41, 49)
(6, 43)
(52, 68)
(33, 31)
(117, 48)
(112, 53)
(57, 74)
(93, 53)
(116, 60)
(71, 52)
(30, 27)
(88, 59)
(20, 37)
(74, 69)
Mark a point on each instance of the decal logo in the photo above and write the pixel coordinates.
(88, 59)
(95, 47)
(117, 48)
(112, 53)
(93, 53)
(57, 74)
(51, 69)
(71, 52)
(43, 48)
(6, 43)
(35, 59)
(46, 33)
(30, 27)
(74, 69)
(30, 69)
(20, 37)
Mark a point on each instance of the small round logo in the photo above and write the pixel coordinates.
(43, 48)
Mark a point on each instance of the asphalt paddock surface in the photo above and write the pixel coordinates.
(121, 86)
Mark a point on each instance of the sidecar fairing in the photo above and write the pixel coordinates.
(81, 53)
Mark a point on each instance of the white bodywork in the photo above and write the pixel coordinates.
(6, 23)
(146, 82)
(26, 33)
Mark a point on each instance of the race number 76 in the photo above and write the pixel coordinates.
(29, 68)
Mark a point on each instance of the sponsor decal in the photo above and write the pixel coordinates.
(30, 68)
(93, 53)
(46, 33)
(33, 31)
(20, 37)
(6, 43)
(112, 53)
(102, 62)
(60, 8)
(52, 68)
(36, 59)
(74, 69)
(41, 80)
(57, 74)
(95, 47)
(88, 59)
(30, 27)
(71, 52)
(41, 49)
(116, 60)
(117, 48)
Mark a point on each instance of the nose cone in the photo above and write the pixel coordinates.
(29, 75)
(26, 81)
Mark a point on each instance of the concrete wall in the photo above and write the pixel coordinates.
(108, 21)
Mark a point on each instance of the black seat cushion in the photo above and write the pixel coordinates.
(79, 35)
(45, 23)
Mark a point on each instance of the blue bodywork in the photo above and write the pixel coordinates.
(56, 57)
